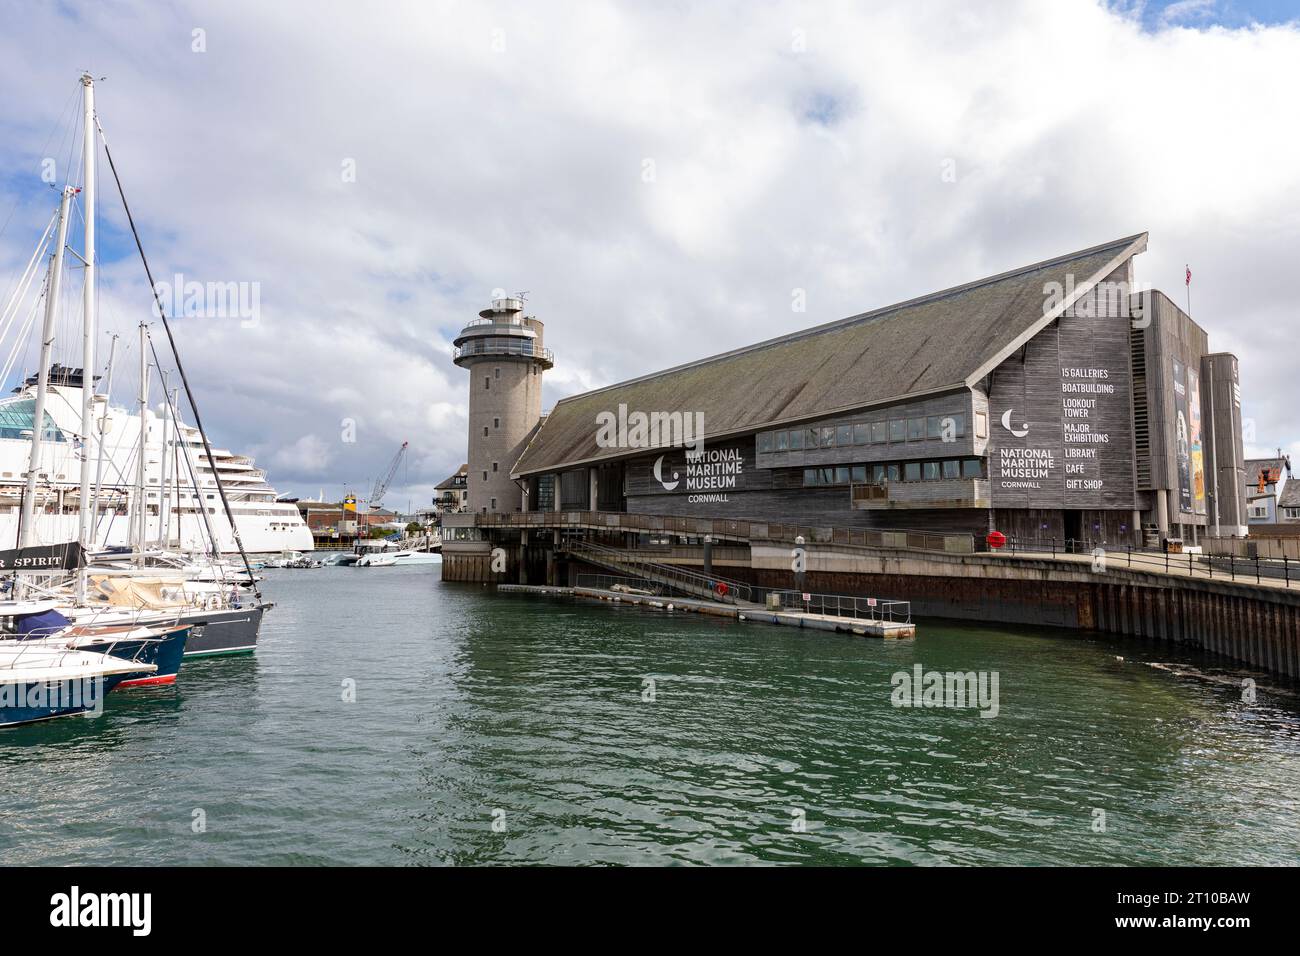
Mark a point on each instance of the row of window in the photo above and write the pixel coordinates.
(931, 427)
(894, 471)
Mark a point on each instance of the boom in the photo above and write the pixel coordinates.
(381, 486)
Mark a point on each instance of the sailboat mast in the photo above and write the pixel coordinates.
(85, 516)
(102, 430)
(26, 521)
(140, 536)
(163, 497)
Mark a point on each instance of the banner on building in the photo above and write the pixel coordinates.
(1196, 442)
(1182, 438)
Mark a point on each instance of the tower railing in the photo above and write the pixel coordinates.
(521, 347)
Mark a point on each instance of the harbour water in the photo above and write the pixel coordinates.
(495, 729)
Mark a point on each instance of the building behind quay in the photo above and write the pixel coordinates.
(1055, 402)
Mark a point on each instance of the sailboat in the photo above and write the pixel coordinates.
(223, 614)
(40, 682)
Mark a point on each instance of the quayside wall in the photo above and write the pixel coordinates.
(1254, 625)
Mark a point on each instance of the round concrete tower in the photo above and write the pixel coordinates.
(503, 351)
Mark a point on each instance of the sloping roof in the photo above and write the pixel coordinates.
(1255, 465)
(450, 481)
(1290, 497)
(935, 343)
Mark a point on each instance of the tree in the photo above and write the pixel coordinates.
(414, 527)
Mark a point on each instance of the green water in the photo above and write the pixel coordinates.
(473, 708)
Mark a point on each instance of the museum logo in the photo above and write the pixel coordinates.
(707, 474)
(1020, 432)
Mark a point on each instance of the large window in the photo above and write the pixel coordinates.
(545, 493)
(879, 432)
(912, 471)
(575, 490)
(915, 429)
(764, 442)
(861, 434)
(897, 430)
(16, 417)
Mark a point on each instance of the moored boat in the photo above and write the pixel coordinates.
(41, 682)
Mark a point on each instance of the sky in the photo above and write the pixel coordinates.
(664, 181)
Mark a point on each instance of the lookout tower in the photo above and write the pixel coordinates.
(503, 351)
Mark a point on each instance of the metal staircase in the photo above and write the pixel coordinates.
(709, 587)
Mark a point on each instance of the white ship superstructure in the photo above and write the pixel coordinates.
(180, 490)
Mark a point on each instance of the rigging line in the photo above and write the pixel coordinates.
(25, 282)
(44, 149)
(14, 297)
(20, 337)
(23, 335)
(189, 394)
(189, 466)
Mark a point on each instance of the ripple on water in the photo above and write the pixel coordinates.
(760, 745)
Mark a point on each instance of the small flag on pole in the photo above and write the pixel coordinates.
(1188, 280)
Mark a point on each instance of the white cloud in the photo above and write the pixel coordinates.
(308, 456)
(776, 169)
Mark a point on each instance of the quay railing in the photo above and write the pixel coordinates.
(1258, 561)
(693, 583)
(846, 605)
(735, 529)
(1191, 562)
(612, 582)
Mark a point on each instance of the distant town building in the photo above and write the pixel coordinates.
(452, 493)
(1289, 504)
(338, 521)
(1266, 478)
